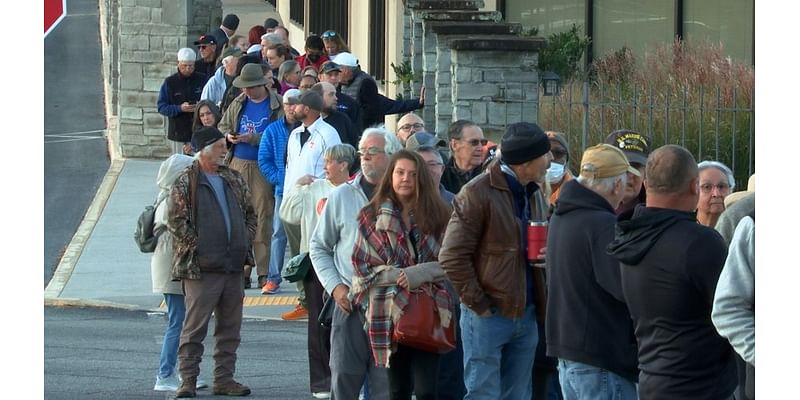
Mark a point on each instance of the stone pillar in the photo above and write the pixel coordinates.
(146, 43)
(494, 80)
(446, 32)
(423, 39)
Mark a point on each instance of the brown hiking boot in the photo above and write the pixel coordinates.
(231, 388)
(187, 389)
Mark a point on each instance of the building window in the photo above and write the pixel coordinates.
(297, 11)
(729, 22)
(653, 22)
(548, 16)
(642, 24)
(328, 15)
(377, 41)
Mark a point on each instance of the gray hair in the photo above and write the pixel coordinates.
(720, 166)
(273, 38)
(602, 185)
(393, 144)
(204, 150)
(342, 152)
(285, 68)
(431, 150)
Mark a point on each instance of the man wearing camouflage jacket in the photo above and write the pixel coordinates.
(213, 223)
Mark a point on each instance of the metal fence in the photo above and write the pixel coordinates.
(714, 124)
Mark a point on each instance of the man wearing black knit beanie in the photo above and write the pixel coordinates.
(484, 253)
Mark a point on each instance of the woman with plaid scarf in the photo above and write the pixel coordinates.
(397, 247)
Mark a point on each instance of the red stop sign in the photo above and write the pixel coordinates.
(54, 11)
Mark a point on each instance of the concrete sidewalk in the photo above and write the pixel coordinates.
(102, 266)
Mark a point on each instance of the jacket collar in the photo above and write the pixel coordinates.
(496, 178)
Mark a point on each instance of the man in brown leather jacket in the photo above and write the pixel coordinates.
(484, 255)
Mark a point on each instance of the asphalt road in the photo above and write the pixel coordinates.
(75, 150)
(113, 354)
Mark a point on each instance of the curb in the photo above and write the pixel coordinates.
(100, 304)
(76, 245)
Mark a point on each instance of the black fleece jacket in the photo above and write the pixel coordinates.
(587, 319)
(670, 268)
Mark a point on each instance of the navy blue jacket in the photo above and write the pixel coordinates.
(176, 90)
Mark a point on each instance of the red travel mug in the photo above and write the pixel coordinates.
(537, 239)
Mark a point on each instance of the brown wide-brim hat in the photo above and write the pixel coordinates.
(252, 75)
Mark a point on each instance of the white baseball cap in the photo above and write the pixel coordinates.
(345, 59)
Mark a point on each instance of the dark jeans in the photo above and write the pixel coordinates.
(413, 371)
(319, 337)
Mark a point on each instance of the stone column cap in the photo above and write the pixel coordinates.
(445, 5)
(475, 28)
(460, 15)
(498, 43)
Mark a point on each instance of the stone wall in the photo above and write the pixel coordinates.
(143, 37)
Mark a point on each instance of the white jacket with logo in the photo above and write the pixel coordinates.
(308, 160)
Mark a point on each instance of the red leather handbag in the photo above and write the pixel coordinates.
(419, 326)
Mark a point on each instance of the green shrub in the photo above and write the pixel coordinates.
(563, 53)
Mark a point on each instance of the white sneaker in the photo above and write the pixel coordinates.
(321, 395)
(168, 384)
(200, 384)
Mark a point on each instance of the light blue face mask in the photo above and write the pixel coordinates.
(555, 172)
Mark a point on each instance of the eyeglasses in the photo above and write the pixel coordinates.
(328, 34)
(559, 153)
(202, 46)
(409, 126)
(476, 142)
(707, 187)
(371, 151)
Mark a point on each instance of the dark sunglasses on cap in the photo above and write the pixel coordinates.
(328, 34)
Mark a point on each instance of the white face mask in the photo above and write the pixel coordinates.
(555, 172)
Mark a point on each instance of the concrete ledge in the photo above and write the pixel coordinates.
(445, 5)
(474, 28)
(460, 15)
(498, 43)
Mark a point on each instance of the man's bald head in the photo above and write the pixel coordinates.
(670, 169)
(408, 125)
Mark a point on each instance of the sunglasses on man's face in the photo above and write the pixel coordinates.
(328, 34)
(370, 151)
(476, 142)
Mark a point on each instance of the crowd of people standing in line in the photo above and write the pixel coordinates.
(635, 294)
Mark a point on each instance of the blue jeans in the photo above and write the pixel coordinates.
(176, 310)
(586, 382)
(498, 354)
(278, 247)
